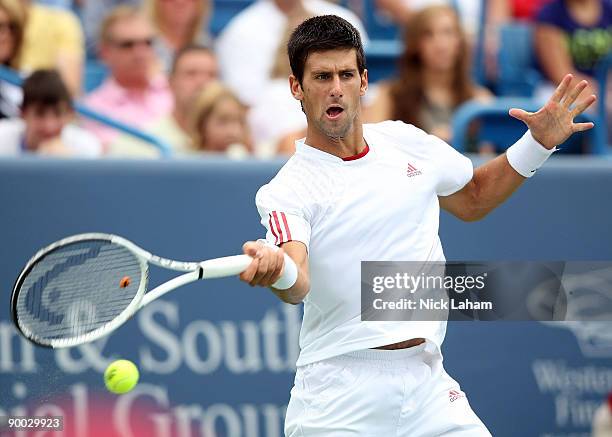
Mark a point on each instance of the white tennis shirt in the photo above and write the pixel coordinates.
(381, 205)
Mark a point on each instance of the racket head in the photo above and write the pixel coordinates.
(79, 289)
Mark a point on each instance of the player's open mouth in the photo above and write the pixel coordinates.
(333, 112)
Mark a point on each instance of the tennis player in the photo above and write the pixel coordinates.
(355, 192)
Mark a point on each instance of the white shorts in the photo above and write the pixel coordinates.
(380, 393)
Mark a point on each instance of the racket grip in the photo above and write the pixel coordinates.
(289, 275)
(226, 266)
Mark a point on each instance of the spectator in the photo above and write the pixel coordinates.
(434, 75)
(571, 37)
(53, 39)
(277, 114)
(193, 69)
(135, 92)
(92, 10)
(470, 13)
(402, 11)
(45, 125)
(526, 9)
(248, 44)
(219, 123)
(12, 21)
(179, 23)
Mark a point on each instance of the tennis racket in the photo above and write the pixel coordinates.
(83, 287)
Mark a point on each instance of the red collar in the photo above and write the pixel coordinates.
(361, 154)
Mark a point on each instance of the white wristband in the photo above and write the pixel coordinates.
(290, 271)
(527, 155)
(289, 276)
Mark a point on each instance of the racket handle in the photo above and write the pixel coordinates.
(226, 266)
(234, 265)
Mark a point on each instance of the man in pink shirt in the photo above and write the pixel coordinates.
(136, 92)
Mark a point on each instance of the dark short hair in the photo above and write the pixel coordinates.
(45, 88)
(190, 48)
(317, 34)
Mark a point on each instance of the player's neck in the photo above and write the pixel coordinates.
(350, 145)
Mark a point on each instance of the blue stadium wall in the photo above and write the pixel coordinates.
(217, 358)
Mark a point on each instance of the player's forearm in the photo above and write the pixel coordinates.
(297, 292)
(493, 183)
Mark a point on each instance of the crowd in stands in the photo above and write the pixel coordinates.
(201, 93)
(45, 125)
(434, 74)
(136, 90)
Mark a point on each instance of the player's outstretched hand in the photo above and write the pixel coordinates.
(554, 122)
(267, 264)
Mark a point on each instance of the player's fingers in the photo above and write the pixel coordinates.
(574, 93)
(579, 127)
(562, 88)
(582, 106)
(267, 275)
(520, 114)
(262, 267)
(249, 273)
(274, 268)
(251, 247)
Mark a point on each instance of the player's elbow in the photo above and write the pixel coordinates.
(473, 214)
(467, 205)
(290, 298)
(293, 301)
(475, 206)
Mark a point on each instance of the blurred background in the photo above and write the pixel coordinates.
(158, 120)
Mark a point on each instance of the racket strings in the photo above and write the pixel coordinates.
(67, 283)
(77, 289)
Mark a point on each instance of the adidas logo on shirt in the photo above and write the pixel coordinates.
(412, 171)
(453, 395)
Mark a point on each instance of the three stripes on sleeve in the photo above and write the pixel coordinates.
(279, 227)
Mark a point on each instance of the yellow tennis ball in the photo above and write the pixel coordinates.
(121, 376)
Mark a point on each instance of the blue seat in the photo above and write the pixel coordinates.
(478, 63)
(381, 58)
(602, 130)
(224, 11)
(496, 126)
(378, 25)
(518, 72)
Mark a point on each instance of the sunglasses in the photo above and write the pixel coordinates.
(128, 44)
